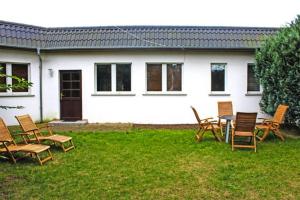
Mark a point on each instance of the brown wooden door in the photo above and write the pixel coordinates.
(70, 95)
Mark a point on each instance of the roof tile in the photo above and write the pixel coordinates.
(111, 37)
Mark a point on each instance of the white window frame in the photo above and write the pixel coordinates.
(113, 79)
(9, 80)
(225, 92)
(164, 82)
(252, 92)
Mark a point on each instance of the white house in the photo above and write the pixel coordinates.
(137, 74)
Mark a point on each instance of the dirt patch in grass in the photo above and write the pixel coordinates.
(165, 126)
(92, 127)
(292, 132)
(7, 186)
(102, 127)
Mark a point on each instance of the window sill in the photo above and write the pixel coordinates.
(16, 95)
(164, 94)
(253, 94)
(218, 94)
(114, 94)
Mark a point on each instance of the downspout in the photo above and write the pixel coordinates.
(38, 51)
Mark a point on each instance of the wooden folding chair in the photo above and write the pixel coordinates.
(30, 128)
(244, 127)
(205, 125)
(273, 125)
(224, 108)
(9, 147)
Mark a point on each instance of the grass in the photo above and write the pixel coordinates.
(156, 164)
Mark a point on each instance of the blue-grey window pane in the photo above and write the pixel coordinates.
(253, 83)
(123, 77)
(218, 77)
(103, 77)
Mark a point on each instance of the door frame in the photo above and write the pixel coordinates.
(60, 88)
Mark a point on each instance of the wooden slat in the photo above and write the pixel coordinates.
(29, 126)
(26, 123)
(4, 132)
(225, 108)
(280, 113)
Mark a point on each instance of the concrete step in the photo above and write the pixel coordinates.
(68, 123)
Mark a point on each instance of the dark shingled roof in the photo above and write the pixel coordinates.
(132, 37)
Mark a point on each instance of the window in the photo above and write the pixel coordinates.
(103, 77)
(113, 77)
(21, 71)
(123, 77)
(174, 77)
(252, 82)
(3, 78)
(164, 77)
(18, 70)
(154, 77)
(218, 77)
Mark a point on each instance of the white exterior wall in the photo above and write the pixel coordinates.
(30, 101)
(160, 109)
(165, 109)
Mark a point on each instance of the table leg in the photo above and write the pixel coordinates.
(227, 130)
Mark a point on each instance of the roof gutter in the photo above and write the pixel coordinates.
(38, 52)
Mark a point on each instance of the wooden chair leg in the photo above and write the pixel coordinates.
(201, 133)
(232, 142)
(216, 135)
(197, 137)
(71, 141)
(254, 142)
(39, 159)
(63, 147)
(278, 134)
(12, 157)
(266, 133)
(221, 131)
(71, 146)
(50, 154)
(201, 136)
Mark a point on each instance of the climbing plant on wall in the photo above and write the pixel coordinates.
(19, 83)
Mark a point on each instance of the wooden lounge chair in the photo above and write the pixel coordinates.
(244, 127)
(273, 125)
(9, 147)
(34, 134)
(224, 108)
(205, 125)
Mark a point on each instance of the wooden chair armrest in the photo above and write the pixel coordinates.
(44, 127)
(48, 128)
(266, 120)
(21, 134)
(5, 140)
(206, 119)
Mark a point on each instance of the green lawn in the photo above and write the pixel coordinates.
(156, 164)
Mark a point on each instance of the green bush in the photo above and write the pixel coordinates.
(278, 69)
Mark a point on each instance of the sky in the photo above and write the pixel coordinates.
(58, 13)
